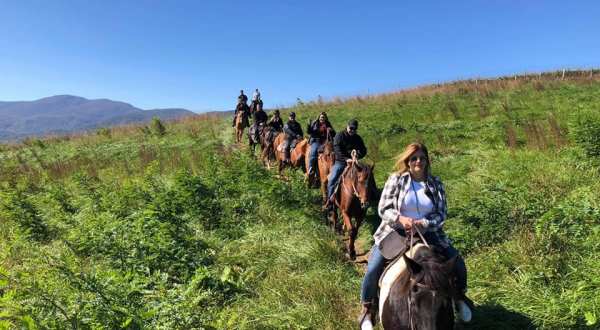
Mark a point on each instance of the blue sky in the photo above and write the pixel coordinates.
(199, 54)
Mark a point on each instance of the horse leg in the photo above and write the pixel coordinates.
(333, 221)
(351, 233)
(324, 191)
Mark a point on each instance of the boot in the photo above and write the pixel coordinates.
(365, 318)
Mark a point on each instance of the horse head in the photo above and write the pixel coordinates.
(430, 291)
(364, 185)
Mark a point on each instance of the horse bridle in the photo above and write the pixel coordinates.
(353, 168)
(416, 281)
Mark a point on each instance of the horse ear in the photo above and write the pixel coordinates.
(449, 265)
(412, 266)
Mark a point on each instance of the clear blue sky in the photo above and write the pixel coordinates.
(199, 54)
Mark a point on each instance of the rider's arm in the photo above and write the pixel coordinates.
(288, 131)
(388, 203)
(435, 220)
(361, 148)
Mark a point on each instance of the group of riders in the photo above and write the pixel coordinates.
(412, 201)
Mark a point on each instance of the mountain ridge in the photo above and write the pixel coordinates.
(61, 114)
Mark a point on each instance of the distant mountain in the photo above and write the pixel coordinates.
(66, 113)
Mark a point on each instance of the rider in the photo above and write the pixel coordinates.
(256, 96)
(412, 197)
(293, 131)
(276, 121)
(344, 144)
(241, 106)
(242, 98)
(319, 130)
(260, 117)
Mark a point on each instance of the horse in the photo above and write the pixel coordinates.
(297, 154)
(324, 164)
(354, 193)
(241, 122)
(255, 105)
(416, 291)
(268, 136)
(255, 134)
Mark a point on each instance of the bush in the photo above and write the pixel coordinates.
(157, 127)
(585, 130)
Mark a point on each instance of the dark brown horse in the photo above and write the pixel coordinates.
(356, 190)
(255, 135)
(254, 106)
(417, 291)
(296, 154)
(268, 136)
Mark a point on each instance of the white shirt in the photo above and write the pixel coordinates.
(255, 96)
(416, 204)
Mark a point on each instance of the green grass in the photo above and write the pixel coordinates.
(138, 227)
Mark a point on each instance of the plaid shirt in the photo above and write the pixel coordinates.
(392, 196)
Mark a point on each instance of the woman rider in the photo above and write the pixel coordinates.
(320, 130)
(412, 197)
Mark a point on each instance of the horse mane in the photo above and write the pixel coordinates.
(432, 274)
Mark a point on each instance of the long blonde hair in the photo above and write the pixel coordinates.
(401, 165)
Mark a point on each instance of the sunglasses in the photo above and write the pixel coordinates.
(352, 128)
(415, 158)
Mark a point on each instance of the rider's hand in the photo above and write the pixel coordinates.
(349, 160)
(421, 223)
(354, 153)
(406, 222)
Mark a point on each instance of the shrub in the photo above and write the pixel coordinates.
(157, 127)
(585, 130)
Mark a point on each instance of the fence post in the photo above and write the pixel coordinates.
(563, 75)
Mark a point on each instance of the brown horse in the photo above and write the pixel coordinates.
(325, 162)
(356, 189)
(416, 291)
(296, 154)
(241, 122)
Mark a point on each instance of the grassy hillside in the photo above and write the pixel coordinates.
(140, 227)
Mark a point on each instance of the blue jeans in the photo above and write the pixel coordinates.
(334, 176)
(313, 156)
(369, 287)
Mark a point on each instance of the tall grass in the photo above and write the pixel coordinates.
(174, 228)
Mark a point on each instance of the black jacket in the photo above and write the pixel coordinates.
(276, 123)
(315, 133)
(293, 130)
(344, 143)
(260, 117)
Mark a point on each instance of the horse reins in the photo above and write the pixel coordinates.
(353, 169)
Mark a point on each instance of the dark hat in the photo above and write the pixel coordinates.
(353, 123)
(292, 114)
(276, 111)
